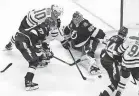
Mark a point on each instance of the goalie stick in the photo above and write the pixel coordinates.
(62, 60)
(6, 68)
(84, 78)
(70, 64)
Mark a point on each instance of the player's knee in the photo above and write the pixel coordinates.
(125, 72)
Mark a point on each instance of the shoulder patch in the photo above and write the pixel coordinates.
(85, 24)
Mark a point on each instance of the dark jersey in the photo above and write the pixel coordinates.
(112, 45)
(36, 33)
(81, 34)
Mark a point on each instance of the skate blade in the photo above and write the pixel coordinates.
(31, 88)
(6, 50)
(41, 66)
(95, 73)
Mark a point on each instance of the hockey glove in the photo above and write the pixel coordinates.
(65, 44)
(49, 53)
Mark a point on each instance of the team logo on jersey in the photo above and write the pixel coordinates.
(74, 35)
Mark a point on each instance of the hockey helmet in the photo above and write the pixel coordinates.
(123, 31)
(57, 11)
(77, 17)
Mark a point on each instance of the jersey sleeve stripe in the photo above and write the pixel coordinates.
(95, 32)
(29, 21)
(13, 39)
(33, 20)
(121, 48)
(39, 10)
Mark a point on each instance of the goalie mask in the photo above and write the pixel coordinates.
(56, 10)
(77, 17)
(123, 31)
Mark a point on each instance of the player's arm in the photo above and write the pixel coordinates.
(96, 33)
(121, 49)
(67, 31)
(67, 35)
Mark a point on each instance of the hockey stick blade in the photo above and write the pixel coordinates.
(134, 82)
(6, 68)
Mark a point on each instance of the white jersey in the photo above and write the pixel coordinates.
(54, 35)
(36, 17)
(130, 50)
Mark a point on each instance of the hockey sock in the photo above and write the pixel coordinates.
(122, 83)
(109, 90)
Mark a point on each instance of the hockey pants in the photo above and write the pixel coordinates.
(112, 69)
(27, 51)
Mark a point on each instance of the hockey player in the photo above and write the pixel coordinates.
(35, 17)
(27, 41)
(130, 62)
(83, 35)
(110, 60)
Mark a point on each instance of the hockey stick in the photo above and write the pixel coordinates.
(84, 78)
(70, 64)
(77, 61)
(134, 81)
(6, 68)
(62, 60)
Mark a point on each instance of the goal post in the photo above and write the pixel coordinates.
(121, 14)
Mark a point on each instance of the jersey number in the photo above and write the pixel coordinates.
(111, 47)
(91, 28)
(40, 14)
(133, 50)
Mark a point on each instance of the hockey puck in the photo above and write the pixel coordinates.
(99, 76)
(84, 78)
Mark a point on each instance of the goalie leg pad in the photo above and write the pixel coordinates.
(90, 65)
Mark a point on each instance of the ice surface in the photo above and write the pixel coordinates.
(57, 79)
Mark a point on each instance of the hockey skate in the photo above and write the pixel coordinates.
(8, 46)
(94, 69)
(105, 93)
(90, 65)
(29, 85)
